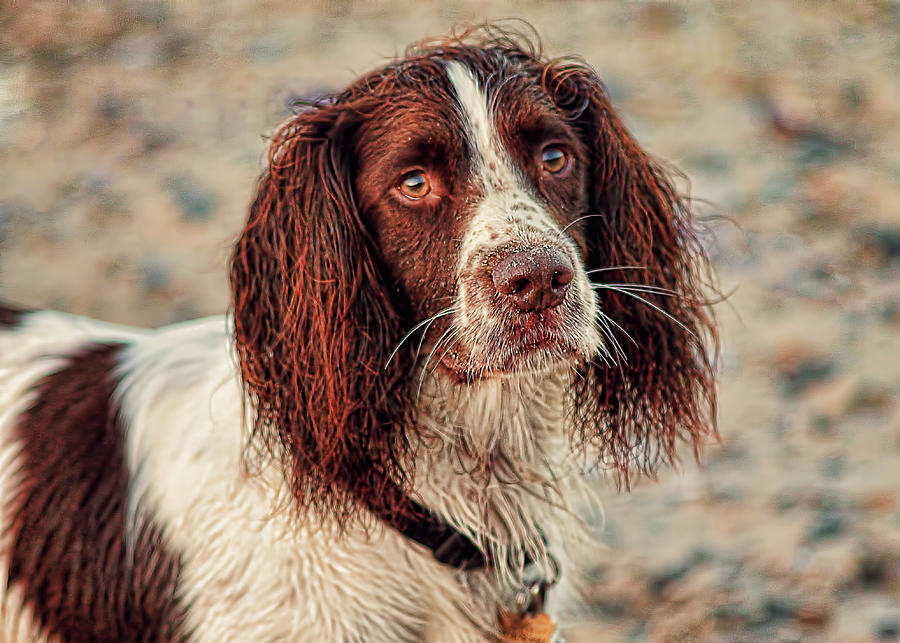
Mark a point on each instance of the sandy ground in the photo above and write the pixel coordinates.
(130, 139)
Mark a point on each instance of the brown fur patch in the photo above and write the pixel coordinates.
(68, 550)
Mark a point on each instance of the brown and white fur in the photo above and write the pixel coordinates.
(461, 282)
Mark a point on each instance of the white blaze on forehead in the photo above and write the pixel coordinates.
(490, 156)
(510, 213)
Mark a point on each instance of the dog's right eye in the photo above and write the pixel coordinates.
(414, 185)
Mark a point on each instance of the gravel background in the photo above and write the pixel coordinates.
(130, 140)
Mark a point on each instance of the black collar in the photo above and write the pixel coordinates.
(449, 546)
(454, 549)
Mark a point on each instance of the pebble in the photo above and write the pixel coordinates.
(813, 614)
(830, 522)
(815, 149)
(110, 108)
(833, 466)
(778, 607)
(154, 276)
(731, 614)
(889, 311)
(872, 570)
(149, 12)
(809, 283)
(714, 164)
(854, 96)
(888, 629)
(879, 500)
(779, 188)
(835, 397)
(195, 201)
(786, 500)
(663, 578)
(797, 376)
(138, 52)
(6, 218)
(883, 241)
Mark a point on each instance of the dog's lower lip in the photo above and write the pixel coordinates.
(533, 319)
(533, 329)
(535, 339)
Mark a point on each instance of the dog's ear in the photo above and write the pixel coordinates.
(649, 271)
(314, 323)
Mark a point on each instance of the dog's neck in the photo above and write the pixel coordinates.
(516, 416)
(494, 460)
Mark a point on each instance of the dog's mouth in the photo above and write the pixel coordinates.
(536, 342)
(541, 330)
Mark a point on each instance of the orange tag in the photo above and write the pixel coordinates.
(528, 628)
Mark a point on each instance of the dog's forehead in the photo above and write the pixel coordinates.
(489, 155)
(474, 106)
(460, 80)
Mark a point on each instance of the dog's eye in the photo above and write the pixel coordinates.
(415, 184)
(554, 159)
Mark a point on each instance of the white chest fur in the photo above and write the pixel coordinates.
(255, 571)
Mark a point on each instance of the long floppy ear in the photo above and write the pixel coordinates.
(641, 234)
(314, 324)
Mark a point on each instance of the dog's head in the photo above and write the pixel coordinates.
(476, 209)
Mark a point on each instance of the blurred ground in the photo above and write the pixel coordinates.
(130, 142)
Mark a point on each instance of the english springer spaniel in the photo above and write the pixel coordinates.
(462, 284)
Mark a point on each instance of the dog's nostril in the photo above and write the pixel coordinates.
(562, 278)
(533, 279)
(518, 286)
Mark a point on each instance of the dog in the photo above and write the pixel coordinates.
(461, 286)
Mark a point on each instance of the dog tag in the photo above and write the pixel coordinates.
(526, 628)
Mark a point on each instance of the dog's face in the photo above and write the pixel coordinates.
(476, 191)
(493, 201)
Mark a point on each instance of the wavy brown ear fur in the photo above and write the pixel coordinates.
(314, 321)
(641, 232)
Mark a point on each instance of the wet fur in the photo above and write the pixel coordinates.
(295, 466)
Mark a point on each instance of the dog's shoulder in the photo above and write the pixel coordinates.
(69, 464)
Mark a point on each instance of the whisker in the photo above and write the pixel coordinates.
(436, 344)
(607, 332)
(442, 313)
(617, 325)
(654, 307)
(603, 354)
(639, 288)
(446, 350)
(430, 355)
(571, 223)
(422, 339)
(575, 370)
(589, 272)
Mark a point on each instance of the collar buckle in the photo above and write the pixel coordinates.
(532, 595)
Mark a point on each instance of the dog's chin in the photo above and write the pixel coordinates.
(513, 353)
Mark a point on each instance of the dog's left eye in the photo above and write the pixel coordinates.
(415, 185)
(554, 159)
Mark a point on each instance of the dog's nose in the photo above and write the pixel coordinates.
(533, 279)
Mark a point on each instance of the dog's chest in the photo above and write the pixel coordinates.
(248, 572)
(253, 572)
